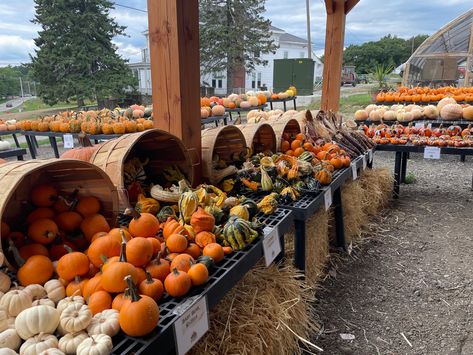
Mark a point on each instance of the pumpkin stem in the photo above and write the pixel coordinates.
(84, 141)
(149, 279)
(68, 248)
(123, 253)
(122, 234)
(135, 297)
(132, 212)
(16, 254)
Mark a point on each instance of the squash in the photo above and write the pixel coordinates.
(139, 251)
(165, 213)
(151, 287)
(55, 290)
(113, 277)
(65, 302)
(204, 238)
(5, 282)
(146, 204)
(176, 243)
(444, 102)
(171, 226)
(251, 206)
(16, 301)
(187, 205)
(38, 343)
(451, 112)
(202, 221)
(132, 314)
(143, 224)
(69, 343)
(99, 301)
(215, 251)
(44, 302)
(177, 283)
(105, 322)
(36, 320)
(75, 317)
(72, 264)
(99, 344)
(468, 113)
(240, 211)
(218, 110)
(10, 339)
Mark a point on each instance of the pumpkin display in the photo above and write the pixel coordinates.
(69, 343)
(43, 231)
(16, 301)
(9, 339)
(143, 224)
(99, 301)
(113, 278)
(44, 195)
(177, 283)
(38, 343)
(99, 344)
(36, 320)
(75, 317)
(139, 251)
(105, 322)
(132, 313)
(55, 290)
(151, 287)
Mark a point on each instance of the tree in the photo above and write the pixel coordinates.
(389, 50)
(10, 79)
(233, 36)
(76, 58)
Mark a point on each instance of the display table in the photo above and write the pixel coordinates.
(15, 152)
(238, 111)
(222, 279)
(13, 134)
(293, 99)
(402, 153)
(215, 119)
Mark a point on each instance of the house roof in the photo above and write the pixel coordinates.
(287, 37)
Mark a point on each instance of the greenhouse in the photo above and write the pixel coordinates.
(445, 58)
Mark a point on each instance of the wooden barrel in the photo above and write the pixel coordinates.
(67, 175)
(223, 141)
(283, 127)
(161, 148)
(260, 137)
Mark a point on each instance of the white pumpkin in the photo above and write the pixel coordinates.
(416, 114)
(10, 339)
(11, 323)
(4, 145)
(430, 112)
(374, 116)
(105, 322)
(62, 305)
(55, 290)
(75, 317)
(371, 107)
(69, 342)
(445, 101)
(5, 282)
(451, 112)
(44, 302)
(16, 301)
(51, 351)
(100, 344)
(36, 291)
(3, 318)
(361, 115)
(6, 351)
(35, 320)
(38, 343)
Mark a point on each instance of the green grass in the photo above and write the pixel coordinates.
(348, 105)
(38, 104)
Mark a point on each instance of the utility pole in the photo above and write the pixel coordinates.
(21, 85)
(309, 42)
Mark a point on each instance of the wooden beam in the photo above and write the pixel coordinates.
(349, 5)
(469, 61)
(175, 70)
(329, 6)
(334, 39)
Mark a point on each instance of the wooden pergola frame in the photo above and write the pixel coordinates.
(175, 69)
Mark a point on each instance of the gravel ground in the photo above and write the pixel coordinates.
(413, 278)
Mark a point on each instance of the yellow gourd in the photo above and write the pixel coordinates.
(147, 204)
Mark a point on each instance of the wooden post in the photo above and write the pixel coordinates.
(334, 37)
(175, 71)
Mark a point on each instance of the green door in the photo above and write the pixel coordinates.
(282, 74)
(297, 72)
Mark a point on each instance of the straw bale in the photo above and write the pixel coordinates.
(354, 215)
(377, 184)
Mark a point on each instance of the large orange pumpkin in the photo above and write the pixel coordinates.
(113, 278)
(143, 225)
(92, 224)
(139, 251)
(43, 231)
(72, 264)
(103, 248)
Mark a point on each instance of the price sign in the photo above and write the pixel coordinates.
(68, 140)
(370, 155)
(271, 245)
(354, 171)
(419, 125)
(328, 198)
(192, 324)
(364, 162)
(431, 153)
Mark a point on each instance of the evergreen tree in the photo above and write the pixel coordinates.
(233, 36)
(76, 58)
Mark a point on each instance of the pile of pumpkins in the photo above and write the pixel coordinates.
(81, 281)
(447, 109)
(118, 121)
(215, 106)
(426, 94)
(7, 125)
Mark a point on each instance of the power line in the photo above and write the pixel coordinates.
(130, 7)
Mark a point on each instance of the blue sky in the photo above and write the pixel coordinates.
(369, 20)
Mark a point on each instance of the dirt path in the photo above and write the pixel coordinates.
(414, 278)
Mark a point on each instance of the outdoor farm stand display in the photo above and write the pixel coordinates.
(259, 137)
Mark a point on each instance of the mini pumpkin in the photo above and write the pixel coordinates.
(151, 287)
(177, 283)
(16, 301)
(71, 341)
(99, 344)
(44, 195)
(10, 339)
(103, 247)
(99, 301)
(176, 243)
(43, 231)
(202, 221)
(113, 277)
(65, 302)
(139, 251)
(55, 290)
(143, 224)
(198, 273)
(105, 322)
(159, 268)
(38, 343)
(36, 320)
(75, 317)
(72, 264)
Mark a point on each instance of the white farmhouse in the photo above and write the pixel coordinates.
(289, 46)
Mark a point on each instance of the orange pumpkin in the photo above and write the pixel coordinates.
(72, 264)
(182, 262)
(43, 231)
(94, 223)
(139, 251)
(140, 275)
(103, 247)
(88, 205)
(75, 287)
(44, 195)
(202, 221)
(113, 278)
(193, 250)
(151, 287)
(177, 283)
(39, 213)
(120, 300)
(29, 250)
(92, 285)
(68, 221)
(171, 226)
(199, 274)
(158, 268)
(176, 243)
(215, 251)
(204, 238)
(117, 235)
(143, 225)
(99, 301)
(38, 269)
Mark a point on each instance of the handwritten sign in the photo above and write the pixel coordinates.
(354, 171)
(192, 323)
(365, 164)
(370, 156)
(431, 153)
(68, 140)
(328, 198)
(271, 245)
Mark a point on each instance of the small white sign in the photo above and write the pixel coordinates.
(365, 164)
(271, 245)
(431, 153)
(68, 140)
(419, 125)
(354, 171)
(192, 324)
(328, 198)
(370, 156)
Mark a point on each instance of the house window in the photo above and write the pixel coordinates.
(259, 80)
(214, 83)
(220, 83)
(286, 54)
(253, 81)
